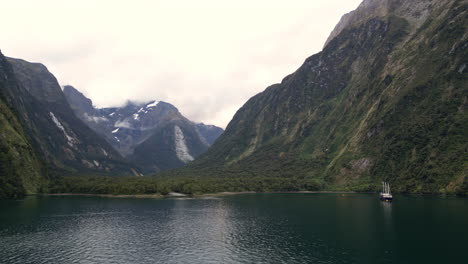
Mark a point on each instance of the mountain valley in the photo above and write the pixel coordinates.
(385, 100)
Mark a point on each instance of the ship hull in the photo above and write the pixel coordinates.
(386, 199)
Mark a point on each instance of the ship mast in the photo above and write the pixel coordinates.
(386, 187)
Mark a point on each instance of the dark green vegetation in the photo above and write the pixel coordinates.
(152, 185)
(20, 169)
(385, 100)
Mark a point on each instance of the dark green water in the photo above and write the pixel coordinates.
(250, 228)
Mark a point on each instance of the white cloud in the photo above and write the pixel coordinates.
(123, 124)
(206, 57)
(95, 119)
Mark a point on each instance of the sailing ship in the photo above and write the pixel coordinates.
(386, 195)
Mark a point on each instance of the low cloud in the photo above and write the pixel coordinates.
(206, 57)
(123, 124)
(95, 119)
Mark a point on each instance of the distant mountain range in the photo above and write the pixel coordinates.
(153, 135)
(65, 143)
(46, 132)
(41, 136)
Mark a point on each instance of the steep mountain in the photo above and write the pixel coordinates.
(209, 132)
(21, 171)
(386, 99)
(153, 135)
(62, 140)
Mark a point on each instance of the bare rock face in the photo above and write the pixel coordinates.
(154, 134)
(414, 12)
(37, 80)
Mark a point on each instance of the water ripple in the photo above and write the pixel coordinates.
(241, 229)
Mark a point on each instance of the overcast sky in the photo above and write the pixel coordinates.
(207, 57)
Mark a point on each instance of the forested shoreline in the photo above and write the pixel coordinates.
(196, 186)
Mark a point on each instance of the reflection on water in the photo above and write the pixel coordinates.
(253, 228)
(387, 212)
(388, 234)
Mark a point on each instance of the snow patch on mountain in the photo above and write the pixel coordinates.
(180, 145)
(153, 104)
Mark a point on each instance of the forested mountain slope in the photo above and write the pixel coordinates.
(386, 99)
(20, 169)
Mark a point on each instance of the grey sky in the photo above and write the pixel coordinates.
(207, 57)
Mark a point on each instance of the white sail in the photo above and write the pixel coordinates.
(386, 187)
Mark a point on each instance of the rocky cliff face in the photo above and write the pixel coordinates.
(63, 141)
(21, 171)
(153, 135)
(415, 12)
(385, 100)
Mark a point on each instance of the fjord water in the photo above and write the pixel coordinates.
(247, 228)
